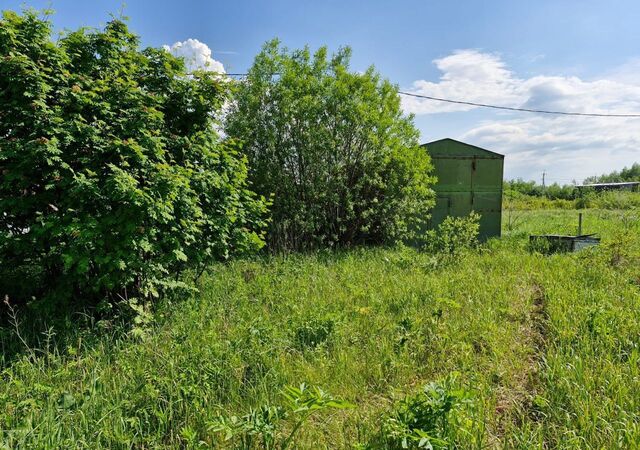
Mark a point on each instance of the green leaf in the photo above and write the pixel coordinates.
(180, 255)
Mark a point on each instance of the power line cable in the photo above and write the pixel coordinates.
(486, 105)
(508, 108)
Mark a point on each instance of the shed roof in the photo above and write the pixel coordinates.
(617, 184)
(448, 147)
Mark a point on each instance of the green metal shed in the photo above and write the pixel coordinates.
(469, 179)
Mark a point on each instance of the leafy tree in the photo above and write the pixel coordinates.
(113, 178)
(333, 147)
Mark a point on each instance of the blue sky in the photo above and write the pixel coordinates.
(568, 55)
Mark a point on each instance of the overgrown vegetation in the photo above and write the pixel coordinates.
(113, 179)
(528, 195)
(115, 184)
(453, 235)
(334, 148)
(261, 428)
(555, 191)
(439, 416)
(612, 200)
(516, 350)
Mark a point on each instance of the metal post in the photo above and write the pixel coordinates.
(579, 224)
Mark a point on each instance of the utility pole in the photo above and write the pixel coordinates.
(543, 175)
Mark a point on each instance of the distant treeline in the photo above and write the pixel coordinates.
(627, 174)
(556, 191)
(531, 188)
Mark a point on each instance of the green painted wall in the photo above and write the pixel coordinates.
(469, 179)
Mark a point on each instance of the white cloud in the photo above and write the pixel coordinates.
(628, 73)
(197, 55)
(467, 75)
(571, 147)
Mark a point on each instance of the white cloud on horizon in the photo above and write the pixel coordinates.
(574, 147)
(196, 54)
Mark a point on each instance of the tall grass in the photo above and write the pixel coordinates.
(493, 348)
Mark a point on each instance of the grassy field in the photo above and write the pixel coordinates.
(494, 348)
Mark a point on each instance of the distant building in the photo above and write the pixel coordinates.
(469, 179)
(622, 186)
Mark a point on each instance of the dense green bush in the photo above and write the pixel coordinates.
(454, 235)
(113, 178)
(334, 148)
